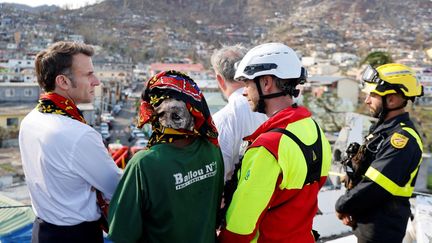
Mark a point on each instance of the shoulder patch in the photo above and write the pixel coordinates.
(398, 140)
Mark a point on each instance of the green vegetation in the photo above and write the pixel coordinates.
(8, 133)
(423, 117)
(377, 58)
(7, 168)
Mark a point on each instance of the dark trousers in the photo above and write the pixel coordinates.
(86, 232)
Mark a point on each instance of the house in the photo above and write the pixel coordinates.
(18, 70)
(345, 88)
(16, 100)
(204, 78)
(19, 92)
(425, 77)
(191, 69)
(114, 77)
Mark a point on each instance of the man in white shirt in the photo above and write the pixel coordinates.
(64, 159)
(235, 120)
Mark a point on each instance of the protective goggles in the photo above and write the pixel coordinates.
(370, 75)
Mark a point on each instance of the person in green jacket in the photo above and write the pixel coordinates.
(171, 192)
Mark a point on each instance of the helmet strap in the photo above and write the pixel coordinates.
(261, 104)
(290, 90)
(382, 114)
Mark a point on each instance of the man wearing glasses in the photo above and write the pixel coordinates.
(377, 207)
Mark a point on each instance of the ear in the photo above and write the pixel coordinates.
(267, 83)
(395, 100)
(62, 82)
(221, 82)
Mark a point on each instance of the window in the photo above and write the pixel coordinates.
(12, 122)
(9, 92)
(28, 92)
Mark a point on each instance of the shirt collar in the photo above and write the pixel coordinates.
(404, 117)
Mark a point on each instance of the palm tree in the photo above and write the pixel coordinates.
(377, 58)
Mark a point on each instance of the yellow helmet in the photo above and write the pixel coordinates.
(390, 79)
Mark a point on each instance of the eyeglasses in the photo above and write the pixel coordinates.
(252, 69)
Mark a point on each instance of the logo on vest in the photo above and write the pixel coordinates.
(398, 140)
(184, 180)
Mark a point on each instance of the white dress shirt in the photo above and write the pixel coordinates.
(234, 122)
(62, 160)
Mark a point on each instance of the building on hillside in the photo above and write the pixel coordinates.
(345, 59)
(17, 70)
(197, 72)
(16, 100)
(19, 92)
(191, 69)
(114, 77)
(11, 114)
(425, 76)
(347, 89)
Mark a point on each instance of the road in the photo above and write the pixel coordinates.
(121, 125)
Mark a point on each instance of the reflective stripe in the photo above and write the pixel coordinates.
(389, 185)
(415, 135)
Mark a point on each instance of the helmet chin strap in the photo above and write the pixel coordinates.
(261, 105)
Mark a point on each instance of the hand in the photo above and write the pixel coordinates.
(346, 219)
(347, 182)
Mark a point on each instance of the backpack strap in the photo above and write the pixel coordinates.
(312, 153)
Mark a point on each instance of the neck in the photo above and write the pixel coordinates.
(277, 104)
(394, 113)
(232, 87)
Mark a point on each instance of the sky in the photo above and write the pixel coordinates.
(60, 3)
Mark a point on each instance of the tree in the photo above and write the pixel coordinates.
(377, 58)
(328, 109)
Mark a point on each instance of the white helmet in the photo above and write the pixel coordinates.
(270, 59)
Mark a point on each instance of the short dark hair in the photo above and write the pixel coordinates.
(56, 60)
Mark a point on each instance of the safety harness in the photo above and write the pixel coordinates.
(312, 154)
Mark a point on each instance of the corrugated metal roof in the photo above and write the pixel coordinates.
(13, 219)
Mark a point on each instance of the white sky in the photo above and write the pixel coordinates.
(60, 3)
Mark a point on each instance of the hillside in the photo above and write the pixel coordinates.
(148, 30)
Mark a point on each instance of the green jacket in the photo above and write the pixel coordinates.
(169, 194)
